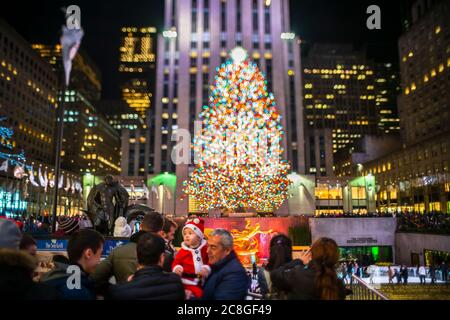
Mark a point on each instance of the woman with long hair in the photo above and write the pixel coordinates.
(280, 254)
(313, 276)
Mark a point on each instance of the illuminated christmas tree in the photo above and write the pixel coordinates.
(238, 152)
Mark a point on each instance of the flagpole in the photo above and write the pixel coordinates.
(59, 139)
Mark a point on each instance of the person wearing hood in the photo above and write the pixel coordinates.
(17, 268)
(72, 281)
(121, 228)
(122, 261)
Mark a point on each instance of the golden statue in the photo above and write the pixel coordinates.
(246, 244)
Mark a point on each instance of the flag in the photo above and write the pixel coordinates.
(4, 166)
(133, 191)
(31, 176)
(169, 195)
(155, 191)
(41, 178)
(70, 43)
(146, 191)
(67, 188)
(19, 172)
(47, 184)
(25, 189)
(61, 182)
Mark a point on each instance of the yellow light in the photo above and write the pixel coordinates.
(407, 91)
(291, 73)
(413, 87)
(441, 67)
(433, 73)
(426, 79)
(411, 54)
(437, 30)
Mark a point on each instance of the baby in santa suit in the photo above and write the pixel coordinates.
(191, 262)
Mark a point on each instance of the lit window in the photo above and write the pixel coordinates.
(407, 91)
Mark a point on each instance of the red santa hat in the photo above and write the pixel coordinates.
(197, 225)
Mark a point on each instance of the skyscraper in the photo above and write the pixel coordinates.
(90, 144)
(137, 70)
(347, 97)
(28, 89)
(417, 177)
(198, 36)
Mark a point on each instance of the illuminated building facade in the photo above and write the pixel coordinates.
(417, 176)
(135, 151)
(28, 93)
(90, 144)
(28, 97)
(137, 67)
(137, 73)
(387, 89)
(198, 36)
(340, 102)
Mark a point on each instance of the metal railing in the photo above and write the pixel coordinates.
(363, 291)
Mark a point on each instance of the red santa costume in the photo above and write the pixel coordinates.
(192, 261)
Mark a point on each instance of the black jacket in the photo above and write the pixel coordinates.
(298, 281)
(58, 279)
(169, 256)
(149, 283)
(16, 281)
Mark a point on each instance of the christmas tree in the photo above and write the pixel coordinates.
(238, 153)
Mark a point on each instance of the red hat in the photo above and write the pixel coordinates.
(197, 225)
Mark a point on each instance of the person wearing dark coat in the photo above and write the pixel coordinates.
(432, 272)
(228, 279)
(313, 276)
(84, 250)
(150, 282)
(17, 268)
(280, 254)
(16, 278)
(122, 262)
(404, 274)
(168, 234)
(444, 270)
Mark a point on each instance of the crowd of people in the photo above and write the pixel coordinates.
(149, 267)
(406, 221)
(355, 215)
(424, 222)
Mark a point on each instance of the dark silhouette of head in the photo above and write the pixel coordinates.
(109, 180)
(280, 252)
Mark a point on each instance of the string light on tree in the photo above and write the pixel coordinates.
(238, 153)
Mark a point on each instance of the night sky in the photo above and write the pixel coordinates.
(332, 21)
